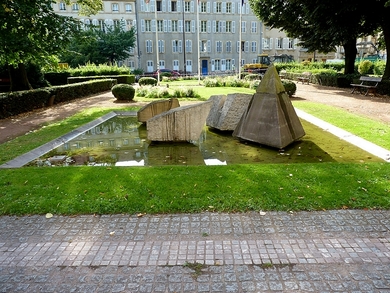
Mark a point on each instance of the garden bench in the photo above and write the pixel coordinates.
(305, 77)
(367, 84)
(5, 84)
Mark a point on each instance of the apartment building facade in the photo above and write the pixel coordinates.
(214, 36)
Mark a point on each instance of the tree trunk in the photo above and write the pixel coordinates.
(386, 34)
(350, 56)
(18, 78)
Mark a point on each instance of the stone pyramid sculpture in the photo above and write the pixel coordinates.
(270, 118)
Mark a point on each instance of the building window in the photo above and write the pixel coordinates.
(217, 64)
(159, 5)
(187, 26)
(161, 47)
(187, 6)
(75, 7)
(266, 43)
(129, 24)
(188, 46)
(291, 43)
(175, 46)
(62, 6)
(228, 64)
(203, 7)
(254, 47)
(218, 46)
(279, 43)
(218, 27)
(243, 26)
(173, 6)
(115, 7)
(148, 25)
(203, 26)
(229, 46)
(218, 7)
(203, 47)
(254, 27)
(149, 46)
(228, 26)
(175, 25)
(228, 7)
(128, 7)
(160, 25)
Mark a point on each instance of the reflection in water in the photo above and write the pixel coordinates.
(122, 141)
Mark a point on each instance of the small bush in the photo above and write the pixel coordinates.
(147, 81)
(290, 87)
(123, 92)
(252, 77)
(366, 67)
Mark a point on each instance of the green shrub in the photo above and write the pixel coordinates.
(379, 67)
(213, 82)
(142, 91)
(123, 92)
(101, 69)
(252, 77)
(129, 79)
(147, 81)
(57, 78)
(254, 84)
(290, 87)
(366, 67)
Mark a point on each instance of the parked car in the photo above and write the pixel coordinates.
(166, 72)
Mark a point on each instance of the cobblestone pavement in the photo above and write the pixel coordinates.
(329, 251)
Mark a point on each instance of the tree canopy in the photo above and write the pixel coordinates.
(31, 31)
(96, 45)
(323, 25)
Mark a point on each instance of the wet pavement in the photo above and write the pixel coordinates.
(324, 251)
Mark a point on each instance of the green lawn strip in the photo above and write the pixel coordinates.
(182, 189)
(369, 129)
(46, 133)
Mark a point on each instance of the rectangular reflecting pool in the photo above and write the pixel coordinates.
(120, 140)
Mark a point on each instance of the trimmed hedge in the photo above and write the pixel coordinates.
(127, 79)
(14, 103)
(147, 81)
(57, 78)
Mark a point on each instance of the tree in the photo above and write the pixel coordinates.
(31, 31)
(321, 25)
(98, 46)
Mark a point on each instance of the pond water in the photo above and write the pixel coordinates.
(122, 141)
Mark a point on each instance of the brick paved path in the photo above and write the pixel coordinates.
(331, 251)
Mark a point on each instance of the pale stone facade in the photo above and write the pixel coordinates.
(177, 21)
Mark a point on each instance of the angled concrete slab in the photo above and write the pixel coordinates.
(157, 107)
(226, 111)
(180, 124)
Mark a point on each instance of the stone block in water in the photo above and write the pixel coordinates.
(157, 107)
(270, 118)
(226, 111)
(180, 124)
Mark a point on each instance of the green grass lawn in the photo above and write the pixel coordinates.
(369, 129)
(178, 189)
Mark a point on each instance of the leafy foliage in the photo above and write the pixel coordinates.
(344, 23)
(94, 45)
(123, 92)
(31, 30)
